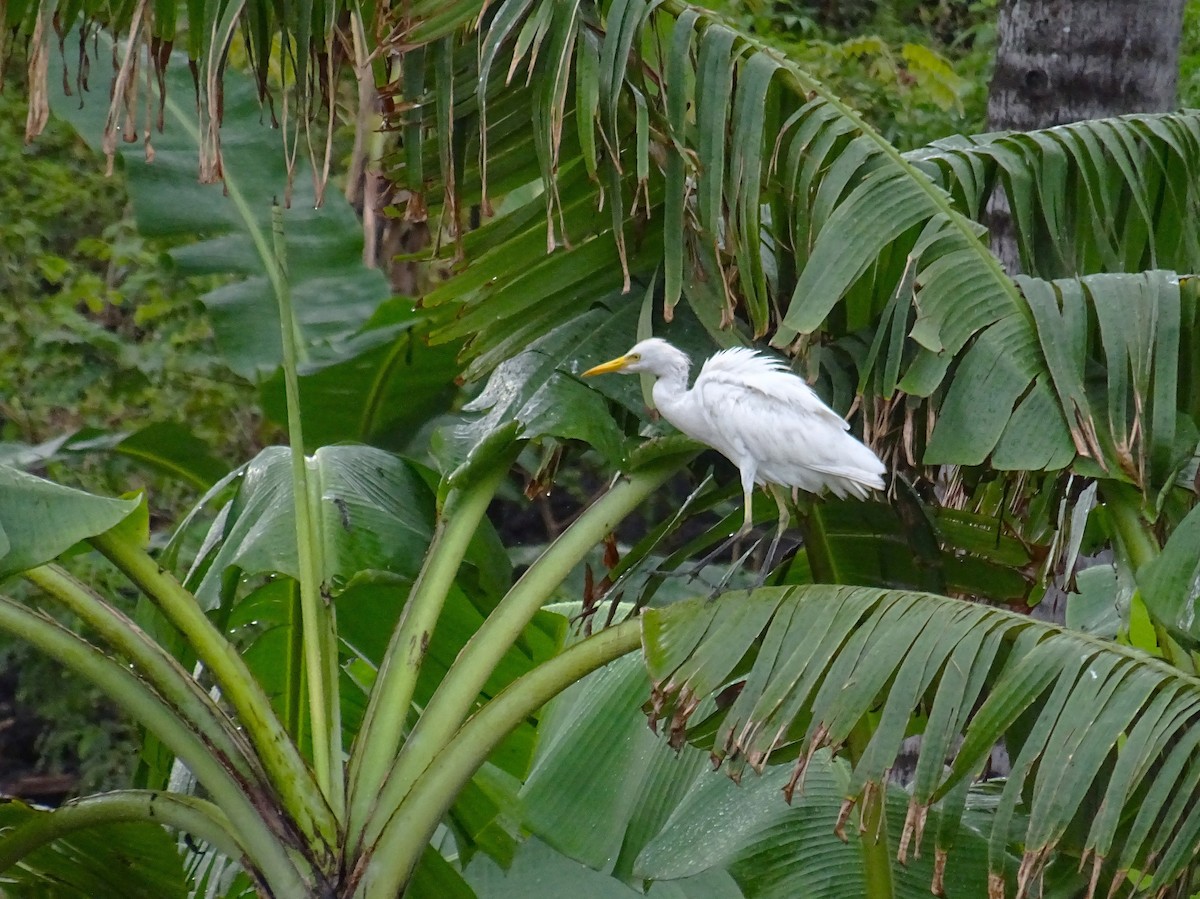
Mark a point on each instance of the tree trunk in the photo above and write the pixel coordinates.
(1067, 60)
(1061, 61)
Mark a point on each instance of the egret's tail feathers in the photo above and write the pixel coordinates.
(861, 472)
(860, 485)
(840, 480)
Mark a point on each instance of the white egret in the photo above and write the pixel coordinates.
(761, 417)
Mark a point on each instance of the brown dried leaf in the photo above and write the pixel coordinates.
(914, 830)
(797, 778)
(685, 706)
(1033, 863)
(872, 792)
(938, 886)
(122, 107)
(1097, 864)
(995, 885)
(839, 829)
(612, 555)
(1117, 883)
(38, 113)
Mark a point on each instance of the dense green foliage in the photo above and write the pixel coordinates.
(917, 72)
(98, 336)
(99, 333)
(744, 200)
(102, 335)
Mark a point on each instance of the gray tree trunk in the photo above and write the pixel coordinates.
(1063, 61)
(1060, 61)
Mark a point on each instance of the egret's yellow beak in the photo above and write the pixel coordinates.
(607, 368)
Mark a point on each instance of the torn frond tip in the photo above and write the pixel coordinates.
(839, 829)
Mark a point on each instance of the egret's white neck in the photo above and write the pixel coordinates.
(671, 385)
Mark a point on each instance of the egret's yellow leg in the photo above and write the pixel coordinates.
(747, 473)
(746, 528)
(784, 518)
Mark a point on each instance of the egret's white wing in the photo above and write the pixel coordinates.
(760, 414)
(769, 377)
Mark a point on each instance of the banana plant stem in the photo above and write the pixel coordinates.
(247, 805)
(459, 689)
(1135, 536)
(382, 730)
(187, 814)
(317, 625)
(387, 865)
(157, 666)
(873, 837)
(287, 771)
(1123, 504)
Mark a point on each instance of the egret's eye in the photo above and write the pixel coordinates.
(634, 357)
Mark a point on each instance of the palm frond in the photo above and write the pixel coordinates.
(1107, 360)
(661, 815)
(1082, 717)
(1109, 195)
